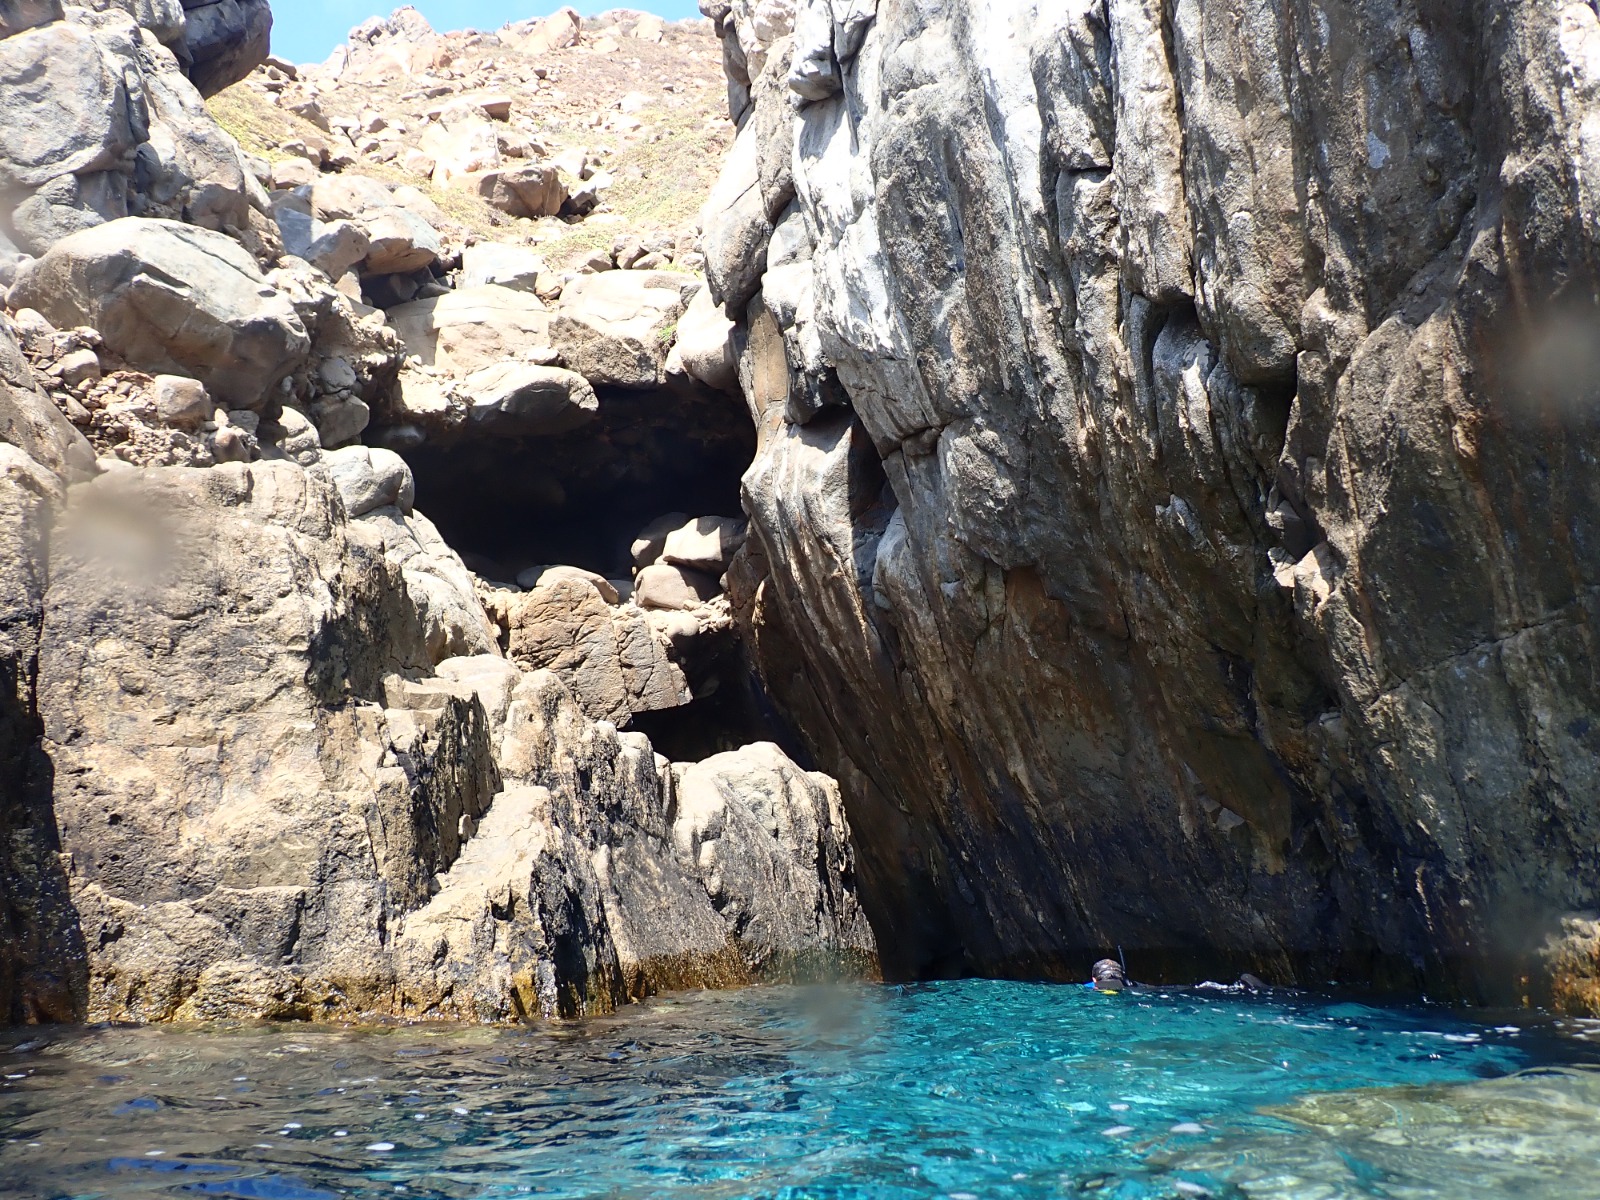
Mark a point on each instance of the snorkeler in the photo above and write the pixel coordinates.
(1110, 975)
(1107, 975)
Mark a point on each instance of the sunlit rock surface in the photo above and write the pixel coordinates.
(1174, 515)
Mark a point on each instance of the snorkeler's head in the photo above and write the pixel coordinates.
(1107, 975)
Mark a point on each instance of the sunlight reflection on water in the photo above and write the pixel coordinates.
(979, 1088)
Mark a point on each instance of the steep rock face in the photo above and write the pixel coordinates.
(240, 816)
(1173, 521)
(40, 948)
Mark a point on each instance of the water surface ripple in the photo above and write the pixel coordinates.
(967, 1090)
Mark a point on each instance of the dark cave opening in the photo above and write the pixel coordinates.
(731, 709)
(579, 498)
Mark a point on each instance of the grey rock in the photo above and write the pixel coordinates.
(529, 191)
(344, 196)
(181, 401)
(704, 346)
(97, 122)
(772, 846)
(652, 539)
(505, 264)
(340, 420)
(370, 478)
(472, 328)
(616, 328)
(333, 247)
(525, 400)
(706, 544)
(1181, 527)
(400, 241)
(17, 15)
(225, 40)
(171, 298)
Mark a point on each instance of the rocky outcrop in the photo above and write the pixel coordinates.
(169, 297)
(1170, 516)
(263, 752)
(98, 122)
(270, 805)
(41, 950)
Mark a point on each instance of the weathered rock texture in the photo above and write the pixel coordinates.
(262, 751)
(270, 805)
(1175, 516)
(97, 120)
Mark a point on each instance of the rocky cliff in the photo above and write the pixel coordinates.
(268, 745)
(1175, 514)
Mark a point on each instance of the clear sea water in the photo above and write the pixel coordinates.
(967, 1090)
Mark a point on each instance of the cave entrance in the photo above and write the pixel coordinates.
(580, 498)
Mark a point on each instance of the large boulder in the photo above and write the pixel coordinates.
(225, 40)
(705, 544)
(524, 400)
(704, 346)
(505, 264)
(609, 657)
(333, 247)
(399, 242)
(526, 191)
(347, 195)
(369, 478)
(17, 15)
(472, 328)
(616, 327)
(97, 122)
(772, 846)
(438, 584)
(460, 146)
(68, 128)
(171, 298)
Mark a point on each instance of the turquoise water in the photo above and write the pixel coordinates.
(966, 1090)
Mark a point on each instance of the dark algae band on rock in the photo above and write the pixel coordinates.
(982, 1088)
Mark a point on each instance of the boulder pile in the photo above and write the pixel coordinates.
(268, 747)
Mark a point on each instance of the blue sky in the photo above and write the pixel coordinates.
(308, 30)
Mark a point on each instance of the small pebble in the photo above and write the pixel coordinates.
(381, 1146)
(459, 1111)
(1116, 1131)
(1189, 1189)
(154, 1153)
(341, 1133)
(291, 1124)
(1119, 1108)
(1188, 1127)
(419, 1116)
